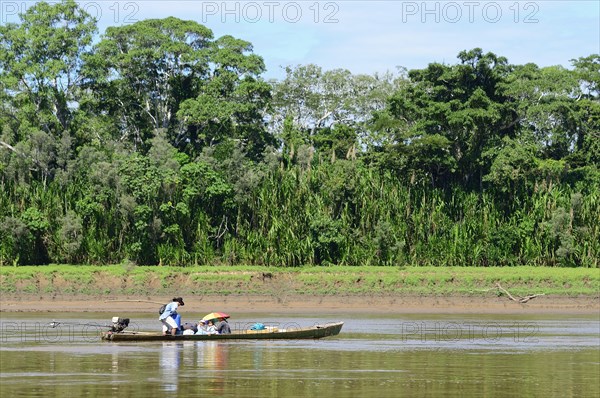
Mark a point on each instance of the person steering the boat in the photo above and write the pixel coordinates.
(168, 316)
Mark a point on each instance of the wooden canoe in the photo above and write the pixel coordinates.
(313, 332)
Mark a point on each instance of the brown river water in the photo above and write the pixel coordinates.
(406, 355)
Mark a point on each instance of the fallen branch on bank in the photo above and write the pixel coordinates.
(521, 300)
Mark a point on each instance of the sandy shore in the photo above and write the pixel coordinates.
(309, 305)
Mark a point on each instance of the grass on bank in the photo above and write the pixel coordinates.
(236, 280)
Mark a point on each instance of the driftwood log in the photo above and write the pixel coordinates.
(521, 300)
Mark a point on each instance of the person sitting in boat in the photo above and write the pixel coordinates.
(223, 326)
(189, 328)
(202, 328)
(168, 316)
(210, 328)
(206, 327)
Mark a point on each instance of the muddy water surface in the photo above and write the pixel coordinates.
(374, 356)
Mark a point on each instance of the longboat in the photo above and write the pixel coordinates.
(117, 334)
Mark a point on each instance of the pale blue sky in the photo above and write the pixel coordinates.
(375, 36)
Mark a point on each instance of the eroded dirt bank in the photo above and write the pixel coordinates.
(303, 304)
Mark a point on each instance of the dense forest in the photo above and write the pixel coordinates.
(158, 143)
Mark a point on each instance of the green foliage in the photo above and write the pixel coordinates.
(162, 145)
(17, 242)
(513, 164)
(71, 237)
(41, 60)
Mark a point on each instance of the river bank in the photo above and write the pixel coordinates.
(133, 288)
(298, 305)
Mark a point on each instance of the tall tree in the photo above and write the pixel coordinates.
(329, 110)
(447, 117)
(41, 61)
(587, 71)
(231, 101)
(149, 68)
(170, 75)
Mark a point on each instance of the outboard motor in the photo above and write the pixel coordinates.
(119, 324)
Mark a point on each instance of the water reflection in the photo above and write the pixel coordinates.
(115, 363)
(205, 359)
(215, 354)
(169, 361)
(213, 357)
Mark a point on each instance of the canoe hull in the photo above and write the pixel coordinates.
(314, 332)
